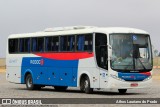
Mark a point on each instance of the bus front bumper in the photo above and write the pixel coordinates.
(119, 84)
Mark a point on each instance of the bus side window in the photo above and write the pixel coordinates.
(84, 42)
(80, 43)
(63, 43)
(71, 43)
(51, 43)
(88, 42)
(27, 45)
(34, 44)
(48, 44)
(55, 43)
(13, 45)
(21, 45)
(40, 44)
(101, 50)
(24, 45)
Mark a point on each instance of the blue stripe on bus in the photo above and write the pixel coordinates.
(50, 72)
(132, 76)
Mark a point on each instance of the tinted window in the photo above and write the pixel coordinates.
(24, 45)
(21, 45)
(51, 44)
(63, 43)
(34, 44)
(101, 50)
(84, 42)
(48, 44)
(101, 39)
(67, 43)
(13, 45)
(37, 44)
(27, 45)
(71, 43)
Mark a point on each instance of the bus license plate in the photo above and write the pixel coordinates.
(134, 84)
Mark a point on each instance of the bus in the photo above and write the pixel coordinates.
(86, 57)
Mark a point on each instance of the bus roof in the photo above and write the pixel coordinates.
(78, 30)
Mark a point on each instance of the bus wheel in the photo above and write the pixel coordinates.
(85, 85)
(122, 91)
(29, 82)
(60, 88)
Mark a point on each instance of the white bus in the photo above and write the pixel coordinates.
(81, 56)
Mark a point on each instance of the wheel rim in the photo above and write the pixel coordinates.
(29, 83)
(85, 84)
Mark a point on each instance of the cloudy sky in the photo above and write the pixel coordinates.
(22, 16)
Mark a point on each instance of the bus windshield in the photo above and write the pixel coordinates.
(131, 52)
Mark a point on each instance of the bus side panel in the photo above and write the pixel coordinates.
(13, 74)
(13, 69)
(53, 76)
(65, 78)
(87, 66)
(51, 72)
(75, 76)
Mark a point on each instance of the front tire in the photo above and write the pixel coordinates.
(122, 91)
(85, 85)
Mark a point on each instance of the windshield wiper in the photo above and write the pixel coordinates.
(142, 64)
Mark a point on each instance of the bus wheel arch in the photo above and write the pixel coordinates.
(85, 84)
(29, 82)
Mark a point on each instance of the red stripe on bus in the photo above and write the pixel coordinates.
(66, 56)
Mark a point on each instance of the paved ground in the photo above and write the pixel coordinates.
(11, 90)
(19, 91)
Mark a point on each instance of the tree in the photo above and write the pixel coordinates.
(156, 52)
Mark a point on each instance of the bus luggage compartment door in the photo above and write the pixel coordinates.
(65, 77)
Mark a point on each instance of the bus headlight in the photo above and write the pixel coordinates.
(148, 78)
(116, 77)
